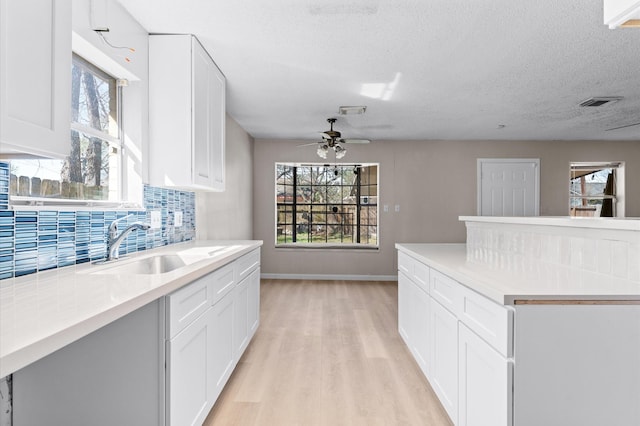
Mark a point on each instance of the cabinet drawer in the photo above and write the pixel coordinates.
(445, 290)
(421, 275)
(418, 272)
(187, 304)
(405, 263)
(246, 264)
(221, 282)
(489, 320)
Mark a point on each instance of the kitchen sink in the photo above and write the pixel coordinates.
(158, 264)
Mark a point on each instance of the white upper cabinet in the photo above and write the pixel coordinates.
(35, 77)
(186, 115)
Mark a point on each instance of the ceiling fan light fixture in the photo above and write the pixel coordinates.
(322, 151)
(340, 151)
(352, 110)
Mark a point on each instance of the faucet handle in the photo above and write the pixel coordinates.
(113, 228)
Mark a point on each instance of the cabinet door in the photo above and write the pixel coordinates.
(202, 153)
(222, 359)
(254, 302)
(241, 318)
(208, 120)
(485, 383)
(414, 320)
(422, 329)
(444, 362)
(404, 307)
(188, 361)
(217, 132)
(35, 77)
(170, 110)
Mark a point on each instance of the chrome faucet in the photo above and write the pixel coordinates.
(115, 240)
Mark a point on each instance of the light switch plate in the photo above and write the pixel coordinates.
(177, 218)
(156, 219)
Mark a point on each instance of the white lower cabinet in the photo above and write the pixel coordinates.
(222, 353)
(162, 364)
(254, 302)
(461, 340)
(414, 320)
(200, 360)
(188, 358)
(444, 365)
(421, 330)
(241, 318)
(246, 312)
(202, 356)
(484, 385)
(404, 307)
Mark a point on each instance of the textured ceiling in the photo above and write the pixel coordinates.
(425, 69)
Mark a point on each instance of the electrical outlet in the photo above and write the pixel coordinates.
(386, 208)
(156, 219)
(177, 218)
(397, 208)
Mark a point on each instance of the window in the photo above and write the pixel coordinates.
(327, 205)
(91, 171)
(596, 189)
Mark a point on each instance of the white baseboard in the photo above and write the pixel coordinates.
(329, 277)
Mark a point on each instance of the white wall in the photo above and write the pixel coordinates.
(228, 215)
(433, 182)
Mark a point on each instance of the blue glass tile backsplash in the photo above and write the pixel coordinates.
(32, 241)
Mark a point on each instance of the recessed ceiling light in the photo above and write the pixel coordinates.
(352, 110)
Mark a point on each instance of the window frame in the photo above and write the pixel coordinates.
(617, 199)
(307, 207)
(114, 141)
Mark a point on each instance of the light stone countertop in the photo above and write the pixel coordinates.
(610, 223)
(547, 282)
(43, 312)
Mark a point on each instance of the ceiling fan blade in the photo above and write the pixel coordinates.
(353, 141)
(308, 144)
(623, 127)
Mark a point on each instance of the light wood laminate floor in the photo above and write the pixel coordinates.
(327, 353)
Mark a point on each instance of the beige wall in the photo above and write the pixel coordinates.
(433, 182)
(228, 215)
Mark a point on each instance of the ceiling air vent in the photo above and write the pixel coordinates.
(600, 101)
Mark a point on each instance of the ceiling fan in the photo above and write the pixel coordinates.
(333, 139)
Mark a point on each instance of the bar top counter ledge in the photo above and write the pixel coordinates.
(524, 259)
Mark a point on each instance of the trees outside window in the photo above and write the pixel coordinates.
(91, 170)
(327, 204)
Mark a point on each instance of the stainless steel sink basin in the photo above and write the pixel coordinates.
(158, 264)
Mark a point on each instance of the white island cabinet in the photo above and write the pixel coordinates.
(35, 77)
(186, 115)
(163, 364)
(530, 322)
(436, 316)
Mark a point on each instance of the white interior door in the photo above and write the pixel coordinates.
(508, 187)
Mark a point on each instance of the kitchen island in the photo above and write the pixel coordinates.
(532, 322)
